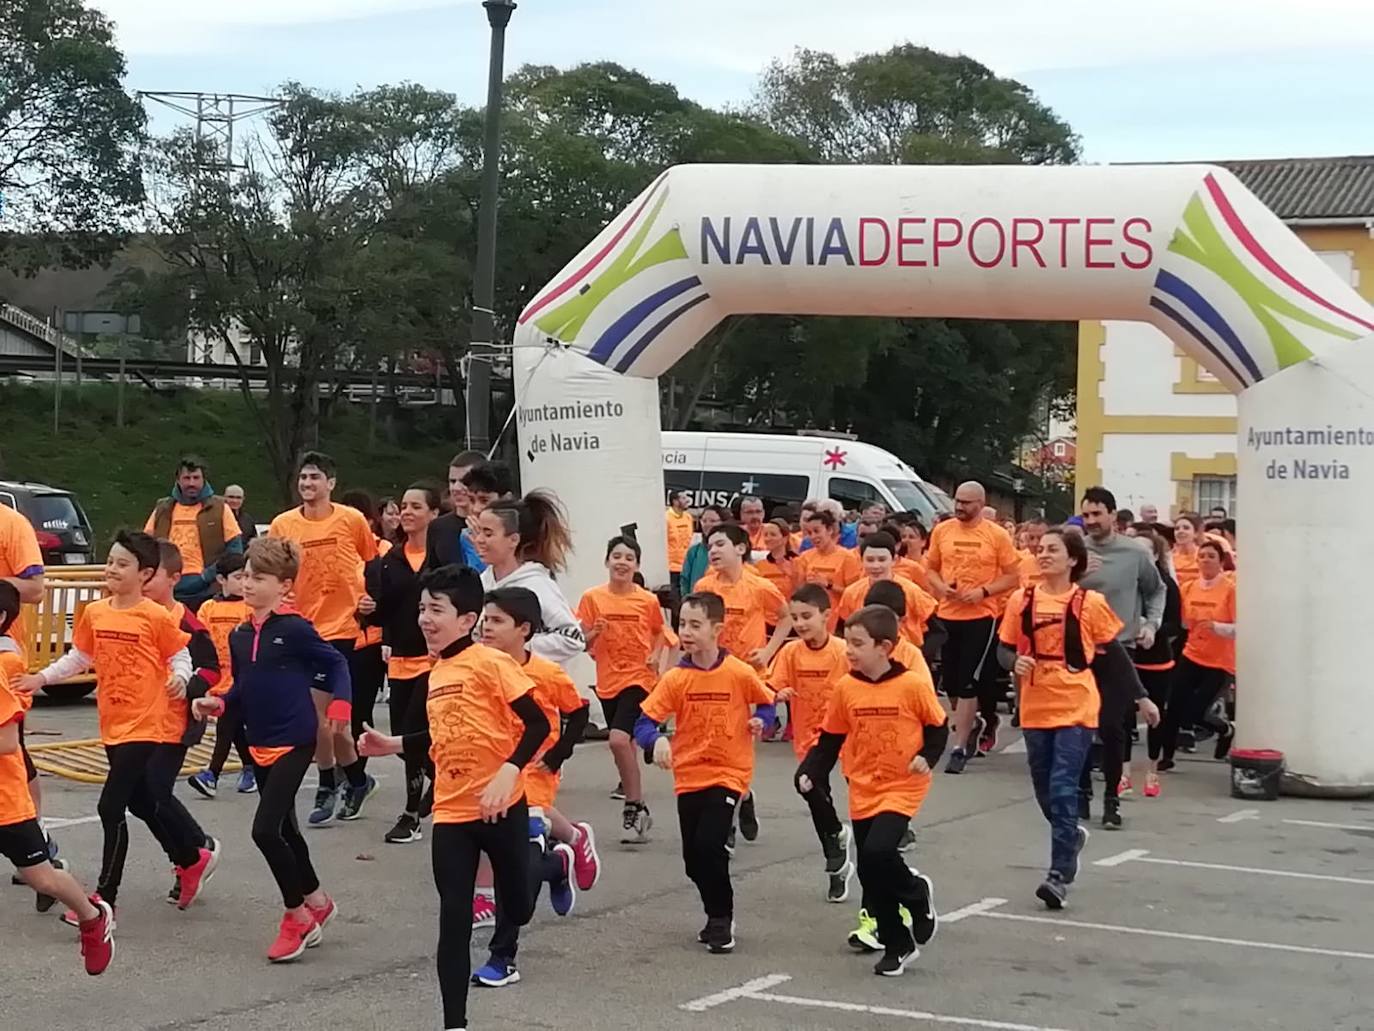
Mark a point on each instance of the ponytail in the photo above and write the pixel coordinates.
(540, 521)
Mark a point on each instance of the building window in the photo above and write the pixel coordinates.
(1059, 449)
(1210, 492)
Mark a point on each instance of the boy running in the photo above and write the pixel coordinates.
(277, 659)
(888, 726)
(623, 626)
(879, 554)
(804, 675)
(712, 754)
(22, 840)
(221, 615)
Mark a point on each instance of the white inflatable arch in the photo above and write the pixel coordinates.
(1183, 247)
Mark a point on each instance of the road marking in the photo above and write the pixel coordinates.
(1017, 747)
(972, 909)
(56, 823)
(743, 991)
(1140, 855)
(1180, 936)
(888, 1011)
(1238, 815)
(1333, 826)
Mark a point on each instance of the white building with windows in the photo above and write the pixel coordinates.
(1153, 426)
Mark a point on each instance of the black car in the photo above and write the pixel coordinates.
(64, 532)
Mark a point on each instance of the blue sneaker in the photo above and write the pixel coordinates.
(248, 782)
(355, 798)
(326, 803)
(496, 973)
(203, 783)
(562, 890)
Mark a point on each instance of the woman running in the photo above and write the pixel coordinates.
(1155, 665)
(1209, 658)
(777, 565)
(696, 563)
(1187, 536)
(366, 667)
(393, 596)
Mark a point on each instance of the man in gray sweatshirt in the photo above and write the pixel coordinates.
(1123, 570)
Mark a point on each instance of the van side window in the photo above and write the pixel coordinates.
(853, 494)
(8, 501)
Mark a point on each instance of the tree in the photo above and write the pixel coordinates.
(69, 135)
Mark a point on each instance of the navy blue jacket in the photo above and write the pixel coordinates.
(275, 665)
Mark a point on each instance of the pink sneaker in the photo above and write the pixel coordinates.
(1124, 788)
(586, 862)
(483, 910)
(323, 916)
(195, 877)
(293, 938)
(1151, 785)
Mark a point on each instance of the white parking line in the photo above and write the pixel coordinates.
(1140, 855)
(743, 991)
(56, 823)
(1333, 826)
(1060, 922)
(972, 909)
(1239, 815)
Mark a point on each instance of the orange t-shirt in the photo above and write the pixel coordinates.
(634, 627)
(680, 528)
(13, 666)
(1030, 569)
(755, 537)
(810, 673)
(908, 655)
(884, 726)
(712, 746)
(16, 804)
(914, 569)
(1185, 568)
(130, 649)
(472, 728)
(220, 616)
(966, 557)
(920, 606)
(1053, 696)
(834, 571)
(184, 533)
(783, 577)
(557, 696)
(1218, 604)
(333, 552)
(752, 604)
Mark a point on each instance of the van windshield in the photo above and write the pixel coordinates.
(914, 499)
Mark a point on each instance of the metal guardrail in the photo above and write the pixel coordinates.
(36, 327)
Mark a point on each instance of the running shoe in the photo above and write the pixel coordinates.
(1111, 814)
(973, 743)
(586, 860)
(407, 829)
(326, 804)
(987, 740)
(864, 938)
(97, 937)
(1164, 765)
(483, 910)
(1124, 787)
(248, 781)
(323, 917)
(636, 823)
(837, 883)
(730, 841)
(43, 903)
(496, 972)
(839, 868)
(562, 889)
(748, 818)
(1083, 837)
(923, 927)
(294, 936)
(907, 841)
(203, 783)
(957, 761)
(355, 798)
(1151, 785)
(720, 935)
(701, 935)
(195, 877)
(618, 792)
(1187, 741)
(70, 918)
(1224, 739)
(174, 892)
(1053, 892)
(894, 961)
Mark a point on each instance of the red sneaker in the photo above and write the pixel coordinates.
(323, 915)
(586, 863)
(72, 920)
(1151, 785)
(483, 910)
(195, 877)
(97, 937)
(293, 937)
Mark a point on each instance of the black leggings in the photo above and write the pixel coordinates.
(1195, 688)
(410, 716)
(275, 830)
(706, 818)
(140, 781)
(822, 806)
(1116, 686)
(886, 879)
(229, 731)
(1157, 683)
(367, 671)
(455, 848)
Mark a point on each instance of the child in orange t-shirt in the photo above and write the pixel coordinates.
(485, 728)
(624, 630)
(887, 727)
(827, 563)
(22, 840)
(803, 675)
(221, 615)
(712, 754)
(1059, 696)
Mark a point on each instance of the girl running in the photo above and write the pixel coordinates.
(1187, 536)
(366, 666)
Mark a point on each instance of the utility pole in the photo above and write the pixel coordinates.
(480, 350)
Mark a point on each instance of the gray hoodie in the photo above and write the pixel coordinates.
(1129, 580)
(561, 639)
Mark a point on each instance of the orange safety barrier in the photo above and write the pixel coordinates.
(45, 629)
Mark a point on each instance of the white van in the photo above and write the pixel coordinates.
(784, 470)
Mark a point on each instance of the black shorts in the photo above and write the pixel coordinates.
(24, 844)
(968, 659)
(623, 710)
(30, 770)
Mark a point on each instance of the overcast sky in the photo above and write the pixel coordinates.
(1184, 79)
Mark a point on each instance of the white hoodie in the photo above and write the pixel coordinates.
(561, 639)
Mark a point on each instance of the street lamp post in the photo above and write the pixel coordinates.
(480, 350)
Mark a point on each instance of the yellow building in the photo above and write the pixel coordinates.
(1153, 426)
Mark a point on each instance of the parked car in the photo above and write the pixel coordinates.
(64, 532)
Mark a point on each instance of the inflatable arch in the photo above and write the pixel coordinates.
(1184, 247)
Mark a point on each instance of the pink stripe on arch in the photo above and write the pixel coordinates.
(558, 291)
(1256, 248)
